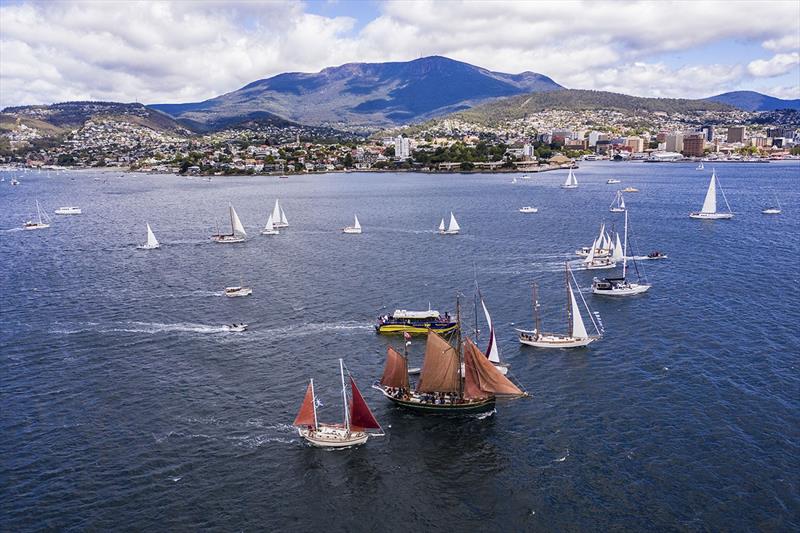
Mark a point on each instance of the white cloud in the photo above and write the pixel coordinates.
(162, 51)
(776, 66)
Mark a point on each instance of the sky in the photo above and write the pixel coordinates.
(184, 51)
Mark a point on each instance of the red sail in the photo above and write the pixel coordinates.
(306, 415)
(360, 416)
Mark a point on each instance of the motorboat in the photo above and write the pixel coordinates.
(415, 322)
(235, 328)
(612, 181)
(233, 292)
(630, 189)
(68, 211)
(528, 209)
(656, 255)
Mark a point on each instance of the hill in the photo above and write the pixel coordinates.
(753, 101)
(364, 95)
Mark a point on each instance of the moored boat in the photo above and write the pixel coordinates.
(415, 322)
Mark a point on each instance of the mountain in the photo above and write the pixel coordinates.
(60, 118)
(520, 106)
(753, 101)
(364, 95)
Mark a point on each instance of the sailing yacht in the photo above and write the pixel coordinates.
(700, 166)
(237, 233)
(452, 229)
(355, 429)
(269, 228)
(620, 286)
(576, 336)
(43, 221)
(598, 246)
(709, 209)
(355, 228)
(279, 217)
(593, 262)
(571, 181)
(492, 351)
(618, 205)
(151, 243)
(454, 380)
(773, 210)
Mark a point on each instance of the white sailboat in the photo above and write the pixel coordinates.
(237, 234)
(355, 228)
(618, 205)
(700, 166)
(598, 245)
(492, 350)
(620, 286)
(269, 228)
(773, 210)
(571, 181)
(577, 334)
(709, 209)
(152, 242)
(452, 229)
(595, 262)
(279, 217)
(43, 221)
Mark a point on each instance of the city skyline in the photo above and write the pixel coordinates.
(171, 52)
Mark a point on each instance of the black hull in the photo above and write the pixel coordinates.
(445, 409)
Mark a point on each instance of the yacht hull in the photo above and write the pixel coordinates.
(552, 340)
(711, 216)
(333, 436)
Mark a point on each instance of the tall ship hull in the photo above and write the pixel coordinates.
(416, 403)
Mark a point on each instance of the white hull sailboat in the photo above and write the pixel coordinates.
(358, 419)
(151, 243)
(620, 286)
(577, 335)
(452, 229)
(709, 209)
(773, 210)
(571, 181)
(68, 210)
(592, 262)
(237, 233)
(618, 205)
(700, 166)
(43, 222)
(279, 217)
(269, 228)
(355, 228)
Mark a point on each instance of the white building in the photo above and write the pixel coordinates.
(402, 147)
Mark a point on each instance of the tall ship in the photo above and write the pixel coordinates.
(415, 322)
(455, 379)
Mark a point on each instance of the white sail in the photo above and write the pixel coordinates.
(710, 203)
(492, 352)
(356, 225)
(453, 224)
(618, 254)
(441, 225)
(590, 257)
(578, 328)
(151, 238)
(571, 180)
(236, 224)
(276, 212)
(270, 226)
(599, 241)
(284, 222)
(621, 200)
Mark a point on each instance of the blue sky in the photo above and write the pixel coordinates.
(181, 51)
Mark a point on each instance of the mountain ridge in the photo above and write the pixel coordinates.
(755, 101)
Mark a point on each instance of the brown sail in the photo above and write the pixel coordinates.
(489, 379)
(306, 415)
(472, 387)
(361, 417)
(440, 372)
(395, 373)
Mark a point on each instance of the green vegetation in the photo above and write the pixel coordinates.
(459, 152)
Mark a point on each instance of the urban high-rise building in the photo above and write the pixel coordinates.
(736, 134)
(694, 144)
(402, 148)
(674, 142)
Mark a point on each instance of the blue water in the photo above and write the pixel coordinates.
(124, 405)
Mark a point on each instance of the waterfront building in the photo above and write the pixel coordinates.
(402, 148)
(636, 144)
(736, 134)
(674, 142)
(694, 145)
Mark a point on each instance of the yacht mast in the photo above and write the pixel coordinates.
(625, 248)
(314, 403)
(344, 397)
(569, 299)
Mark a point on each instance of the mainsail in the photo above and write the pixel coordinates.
(441, 225)
(361, 417)
(440, 368)
(577, 328)
(357, 225)
(618, 255)
(492, 352)
(151, 238)
(307, 415)
(710, 203)
(284, 222)
(236, 224)
(395, 373)
(270, 226)
(481, 378)
(453, 224)
(276, 212)
(571, 180)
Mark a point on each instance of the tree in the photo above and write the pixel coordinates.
(467, 165)
(348, 160)
(389, 151)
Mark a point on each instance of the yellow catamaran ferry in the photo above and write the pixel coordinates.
(415, 322)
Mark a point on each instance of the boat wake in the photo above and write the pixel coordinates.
(278, 433)
(11, 230)
(562, 458)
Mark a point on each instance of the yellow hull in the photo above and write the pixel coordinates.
(389, 329)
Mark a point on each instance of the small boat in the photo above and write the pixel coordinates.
(524, 177)
(630, 189)
(283, 177)
(237, 233)
(612, 181)
(151, 243)
(68, 211)
(656, 255)
(452, 229)
(235, 328)
(709, 209)
(415, 322)
(269, 228)
(620, 286)
(43, 222)
(513, 180)
(14, 181)
(353, 431)
(528, 209)
(571, 181)
(700, 166)
(618, 205)
(773, 210)
(454, 380)
(355, 228)
(233, 292)
(279, 217)
(577, 336)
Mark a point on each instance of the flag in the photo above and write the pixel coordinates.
(407, 335)
(318, 403)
